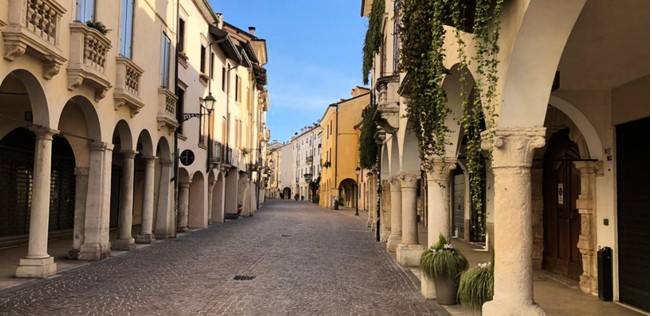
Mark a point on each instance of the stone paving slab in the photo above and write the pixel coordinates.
(306, 260)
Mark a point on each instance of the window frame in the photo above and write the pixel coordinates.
(166, 46)
(123, 51)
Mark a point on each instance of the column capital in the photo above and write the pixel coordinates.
(513, 147)
(149, 158)
(165, 162)
(185, 184)
(128, 153)
(99, 146)
(43, 132)
(409, 180)
(81, 171)
(440, 169)
(588, 166)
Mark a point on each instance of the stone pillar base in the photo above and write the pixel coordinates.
(145, 239)
(409, 255)
(36, 268)
(507, 308)
(164, 235)
(428, 289)
(182, 229)
(73, 254)
(94, 252)
(124, 244)
(392, 242)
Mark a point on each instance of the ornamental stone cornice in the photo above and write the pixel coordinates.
(513, 147)
(440, 170)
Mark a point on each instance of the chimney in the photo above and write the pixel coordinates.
(252, 30)
(357, 91)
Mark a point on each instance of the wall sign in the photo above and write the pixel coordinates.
(187, 157)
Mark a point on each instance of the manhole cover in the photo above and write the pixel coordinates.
(244, 277)
(284, 235)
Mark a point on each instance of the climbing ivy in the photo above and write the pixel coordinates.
(367, 144)
(373, 38)
(422, 58)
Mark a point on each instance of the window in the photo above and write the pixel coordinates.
(223, 78)
(182, 35)
(126, 27)
(202, 59)
(165, 61)
(84, 10)
(224, 130)
(180, 108)
(237, 87)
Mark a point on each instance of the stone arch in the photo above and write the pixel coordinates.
(197, 215)
(165, 217)
(122, 135)
(584, 126)
(454, 102)
(348, 189)
(530, 69)
(384, 162)
(22, 87)
(394, 161)
(80, 125)
(410, 156)
(144, 144)
(163, 151)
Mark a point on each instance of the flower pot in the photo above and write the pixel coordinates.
(446, 291)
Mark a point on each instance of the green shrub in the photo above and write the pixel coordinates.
(442, 260)
(477, 285)
(99, 26)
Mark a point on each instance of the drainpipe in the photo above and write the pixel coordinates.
(175, 165)
(337, 129)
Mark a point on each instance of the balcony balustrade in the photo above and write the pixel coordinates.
(127, 85)
(88, 55)
(167, 110)
(33, 28)
(388, 102)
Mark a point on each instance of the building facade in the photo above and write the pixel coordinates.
(569, 86)
(340, 156)
(307, 148)
(111, 120)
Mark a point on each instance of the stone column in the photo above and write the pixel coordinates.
(209, 202)
(81, 186)
(105, 213)
(184, 193)
(38, 263)
(438, 212)
(396, 216)
(586, 244)
(409, 251)
(125, 240)
(512, 150)
(438, 200)
(164, 217)
(147, 224)
(95, 246)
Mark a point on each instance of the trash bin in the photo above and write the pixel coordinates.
(605, 274)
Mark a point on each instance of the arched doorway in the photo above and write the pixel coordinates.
(286, 193)
(561, 187)
(143, 188)
(122, 187)
(218, 199)
(164, 217)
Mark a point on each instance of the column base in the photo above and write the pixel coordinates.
(428, 289)
(392, 242)
(409, 255)
(124, 244)
(36, 268)
(384, 235)
(507, 308)
(145, 239)
(182, 229)
(73, 254)
(94, 252)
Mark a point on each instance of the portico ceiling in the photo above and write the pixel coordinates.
(608, 47)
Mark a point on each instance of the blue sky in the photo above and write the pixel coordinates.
(315, 53)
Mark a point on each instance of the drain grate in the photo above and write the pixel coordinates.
(244, 277)
(284, 235)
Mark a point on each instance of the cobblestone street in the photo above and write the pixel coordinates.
(306, 261)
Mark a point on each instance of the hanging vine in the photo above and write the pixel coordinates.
(422, 58)
(373, 38)
(367, 144)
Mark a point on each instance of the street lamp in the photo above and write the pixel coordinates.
(357, 190)
(207, 103)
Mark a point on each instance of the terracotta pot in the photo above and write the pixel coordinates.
(446, 291)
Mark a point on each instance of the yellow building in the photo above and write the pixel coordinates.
(339, 151)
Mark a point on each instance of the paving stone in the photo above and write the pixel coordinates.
(306, 261)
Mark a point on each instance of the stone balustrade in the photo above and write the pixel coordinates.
(127, 85)
(34, 24)
(167, 111)
(88, 54)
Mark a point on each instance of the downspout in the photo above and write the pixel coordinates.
(175, 165)
(337, 129)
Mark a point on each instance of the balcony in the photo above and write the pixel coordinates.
(167, 110)
(127, 83)
(88, 54)
(388, 102)
(217, 153)
(33, 28)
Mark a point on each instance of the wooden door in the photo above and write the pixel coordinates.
(561, 217)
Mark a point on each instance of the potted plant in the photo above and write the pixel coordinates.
(444, 264)
(477, 285)
(99, 26)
